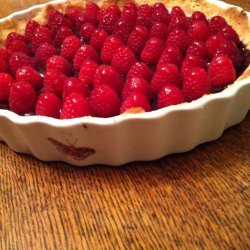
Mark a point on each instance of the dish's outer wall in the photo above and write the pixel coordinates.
(127, 138)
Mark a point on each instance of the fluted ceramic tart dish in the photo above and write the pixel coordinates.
(133, 135)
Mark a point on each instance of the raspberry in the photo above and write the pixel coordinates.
(43, 53)
(18, 60)
(196, 84)
(61, 34)
(122, 29)
(91, 12)
(171, 54)
(53, 82)
(197, 48)
(48, 104)
(137, 39)
(40, 36)
(140, 69)
(22, 98)
(198, 16)
(169, 95)
(70, 46)
(135, 100)
(159, 30)
(59, 63)
(52, 14)
(108, 22)
(12, 37)
(198, 30)
(178, 21)
(4, 66)
(152, 50)
(114, 8)
(106, 74)
(104, 101)
(87, 31)
(192, 61)
(129, 12)
(30, 28)
(229, 33)
(221, 71)
(98, 38)
(167, 74)
(73, 84)
(30, 75)
(178, 38)
(111, 43)
(123, 58)
(215, 25)
(177, 11)
(212, 44)
(75, 105)
(160, 13)
(144, 13)
(18, 46)
(138, 84)
(80, 21)
(73, 13)
(58, 22)
(6, 80)
(4, 54)
(84, 52)
(87, 71)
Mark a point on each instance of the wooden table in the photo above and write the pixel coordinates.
(195, 200)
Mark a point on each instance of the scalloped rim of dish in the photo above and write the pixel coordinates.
(228, 92)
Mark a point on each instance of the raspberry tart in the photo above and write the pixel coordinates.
(102, 83)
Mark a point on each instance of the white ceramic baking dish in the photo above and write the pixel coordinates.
(129, 137)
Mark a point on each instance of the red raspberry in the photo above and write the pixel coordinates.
(221, 71)
(6, 80)
(18, 46)
(18, 60)
(230, 34)
(108, 22)
(59, 63)
(98, 38)
(198, 16)
(4, 60)
(110, 45)
(122, 60)
(44, 30)
(22, 98)
(122, 29)
(137, 39)
(144, 13)
(12, 37)
(41, 35)
(136, 99)
(73, 13)
(138, 84)
(106, 74)
(178, 21)
(87, 71)
(70, 46)
(53, 82)
(43, 53)
(4, 67)
(4, 54)
(212, 44)
(198, 30)
(75, 105)
(171, 54)
(61, 34)
(91, 12)
(197, 48)
(80, 21)
(104, 101)
(196, 84)
(129, 12)
(215, 25)
(179, 38)
(152, 50)
(87, 31)
(48, 104)
(114, 8)
(140, 69)
(52, 14)
(192, 61)
(30, 75)
(74, 84)
(177, 11)
(60, 21)
(160, 13)
(30, 28)
(169, 95)
(159, 30)
(167, 74)
(83, 53)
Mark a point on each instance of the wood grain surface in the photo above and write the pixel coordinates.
(195, 200)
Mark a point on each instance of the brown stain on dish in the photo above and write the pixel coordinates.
(78, 153)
